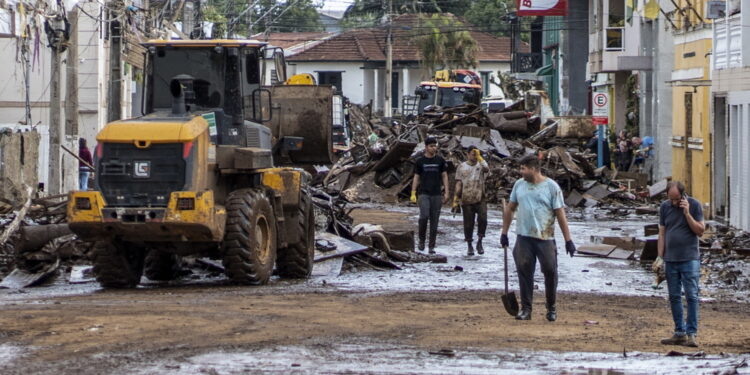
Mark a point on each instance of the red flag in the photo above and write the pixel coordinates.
(542, 7)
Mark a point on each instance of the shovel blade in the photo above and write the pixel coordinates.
(510, 302)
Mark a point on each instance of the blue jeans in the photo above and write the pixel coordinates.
(83, 180)
(683, 275)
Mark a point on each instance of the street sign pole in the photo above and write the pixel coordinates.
(600, 147)
(600, 118)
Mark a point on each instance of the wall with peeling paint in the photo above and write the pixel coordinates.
(19, 160)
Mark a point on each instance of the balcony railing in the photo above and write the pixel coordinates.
(527, 62)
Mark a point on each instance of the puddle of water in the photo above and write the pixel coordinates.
(577, 274)
(351, 358)
(9, 353)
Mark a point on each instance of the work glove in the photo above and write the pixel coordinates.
(455, 207)
(478, 155)
(413, 197)
(658, 264)
(570, 247)
(504, 240)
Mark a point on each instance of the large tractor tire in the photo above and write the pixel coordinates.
(296, 260)
(117, 264)
(161, 265)
(249, 246)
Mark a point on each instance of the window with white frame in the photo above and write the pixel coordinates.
(615, 29)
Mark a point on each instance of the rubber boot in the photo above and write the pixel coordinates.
(470, 250)
(480, 248)
(551, 313)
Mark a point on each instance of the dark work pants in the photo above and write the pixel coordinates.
(429, 209)
(525, 253)
(472, 212)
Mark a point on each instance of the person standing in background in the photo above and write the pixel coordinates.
(84, 171)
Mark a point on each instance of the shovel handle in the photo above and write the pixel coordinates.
(505, 252)
(505, 265)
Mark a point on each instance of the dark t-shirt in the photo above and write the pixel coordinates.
(681, 243)
(85, 155)
(430, 172)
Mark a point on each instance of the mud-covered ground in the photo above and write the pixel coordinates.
(374, 322)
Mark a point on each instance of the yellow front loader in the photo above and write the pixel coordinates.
(198, 174)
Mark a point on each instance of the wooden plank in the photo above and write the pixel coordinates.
(599, 191)
(596, 249)
(20, 278)
(574, 199)
(624, 242)
(396, 155)
(344, 247)
(621, 254)
(328, 268)
(657, 188)
(500, 146)
(650, 250)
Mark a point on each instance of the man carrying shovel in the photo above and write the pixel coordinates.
(538, 201)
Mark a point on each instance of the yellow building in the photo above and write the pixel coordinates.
(691, 93)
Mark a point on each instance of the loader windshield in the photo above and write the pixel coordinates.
(205, 66)
(455, 96)
(428, 97)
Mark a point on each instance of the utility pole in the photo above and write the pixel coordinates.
(26, 54)
(55, 29)
(387, 109)
(71, 77)
(114, 109)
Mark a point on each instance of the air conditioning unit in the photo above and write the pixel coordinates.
(716, 9)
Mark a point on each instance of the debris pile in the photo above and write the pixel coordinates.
(34, 241)
(726, 261)
(364, 246)
(379, 164)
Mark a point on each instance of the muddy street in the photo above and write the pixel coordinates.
(424, 319)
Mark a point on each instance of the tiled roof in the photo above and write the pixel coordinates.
(369, 44)
(290, 40)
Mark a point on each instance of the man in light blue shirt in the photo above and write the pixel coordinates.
(538, 201)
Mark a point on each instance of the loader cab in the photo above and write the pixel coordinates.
(447, 94)
(219, 79)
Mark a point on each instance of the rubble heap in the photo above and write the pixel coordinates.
(362, 246)
(379, 165)
(35, 239)
(724, 257)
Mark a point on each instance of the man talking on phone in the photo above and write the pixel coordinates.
(680, 226)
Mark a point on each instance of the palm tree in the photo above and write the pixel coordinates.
(442, 45)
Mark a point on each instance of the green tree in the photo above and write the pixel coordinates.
(489, 15)
(368, 13)
(235, 18)
(441, 46)
(287, 16)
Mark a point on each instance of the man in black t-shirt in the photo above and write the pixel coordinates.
(430, 176)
